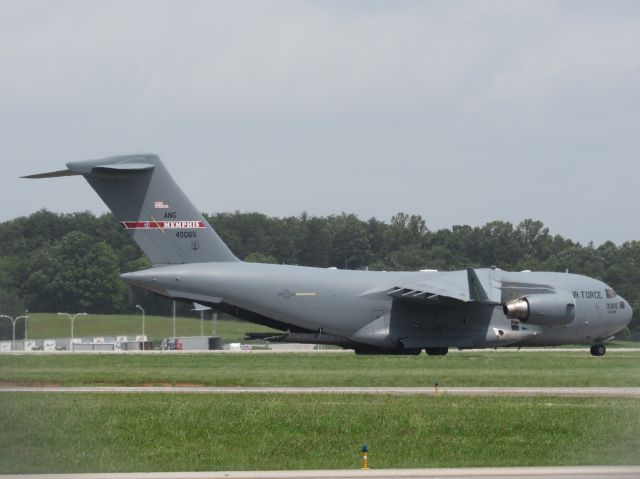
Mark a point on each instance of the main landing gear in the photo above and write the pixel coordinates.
(598, 350)
(437, 351)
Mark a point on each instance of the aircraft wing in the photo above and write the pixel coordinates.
(430, 291)
(443, 290)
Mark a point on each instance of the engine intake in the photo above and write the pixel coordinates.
(543, 309)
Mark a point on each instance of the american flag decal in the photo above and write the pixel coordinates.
(160, 205)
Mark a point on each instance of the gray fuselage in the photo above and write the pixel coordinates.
(355, 305)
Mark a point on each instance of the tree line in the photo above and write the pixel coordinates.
(71, 262)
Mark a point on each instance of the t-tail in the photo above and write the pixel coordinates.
(151, 207)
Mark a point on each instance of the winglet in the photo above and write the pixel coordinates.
(476, 290)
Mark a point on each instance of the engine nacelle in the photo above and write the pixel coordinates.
(543, 309)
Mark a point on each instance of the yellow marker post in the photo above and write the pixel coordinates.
(365, 456)
(436, 391)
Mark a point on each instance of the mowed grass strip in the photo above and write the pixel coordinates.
(167, 432)
(325, 369)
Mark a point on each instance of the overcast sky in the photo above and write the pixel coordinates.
(463, 112)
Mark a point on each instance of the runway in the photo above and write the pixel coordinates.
(579, 472)
(427, 391)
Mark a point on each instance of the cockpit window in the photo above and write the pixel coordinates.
(610, 293)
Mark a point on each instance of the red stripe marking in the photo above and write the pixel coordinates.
(162, 225)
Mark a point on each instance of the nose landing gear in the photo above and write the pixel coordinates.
(598, 350)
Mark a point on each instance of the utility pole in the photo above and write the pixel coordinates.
(201, 308)
(72, 317)
(13, 328)
(141, 309)
(174, 318)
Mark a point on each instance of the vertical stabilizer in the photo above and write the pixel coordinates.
(152, 208)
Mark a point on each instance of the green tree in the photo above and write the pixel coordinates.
(350, 243)
(11, 305)
(314, 242)
(260, 258)
(77, 273)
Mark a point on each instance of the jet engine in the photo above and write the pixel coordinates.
(543, 309)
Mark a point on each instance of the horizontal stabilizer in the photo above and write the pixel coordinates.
(51, 174)
(122, 167)
(86, 168)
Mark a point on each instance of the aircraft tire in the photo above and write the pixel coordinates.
(407, 351)
(598, 350)
(412, 352)
(437, 351)
(367, 352)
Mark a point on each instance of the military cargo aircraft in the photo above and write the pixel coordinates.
(371, 312)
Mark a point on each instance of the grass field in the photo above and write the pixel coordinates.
(51, 325)
(465, 368)
(163, 432)
(60, 432)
